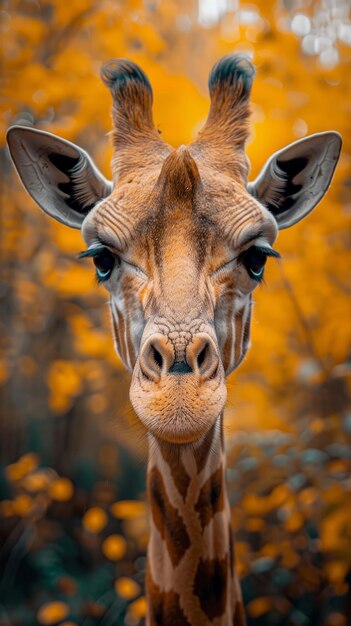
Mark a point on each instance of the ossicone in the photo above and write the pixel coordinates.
(131, 92)
(119, 74)
(179, 177)
(226, 130)
(231, 78)
(136, 141)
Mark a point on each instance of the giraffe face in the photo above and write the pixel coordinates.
(181, 268)
(179, 238)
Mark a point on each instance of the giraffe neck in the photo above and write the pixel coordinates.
(191, 578)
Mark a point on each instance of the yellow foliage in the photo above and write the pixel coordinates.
(333, 494)
(68, 240)
(308, 496)
(255, 505)
(338, 466)
(4, 371)
(114, 547)
(260, 505)
(68, 281)
(52, 612)
(335, 528)
(89, 341)
(24, 465)
(259, 606)
(127, 588)
(61, 489)
(279, 495)
(294, 522)
(254, 524)
(36, 481)
(290, 558)
(128, 509)
(22, 505)
(138, 608)
(243, 555)
(64, 384)
(271, 550)
(95, 519)
(337, 571)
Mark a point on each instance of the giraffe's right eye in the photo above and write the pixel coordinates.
(104, 262)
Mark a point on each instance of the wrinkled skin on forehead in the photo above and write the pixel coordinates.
(179, 277)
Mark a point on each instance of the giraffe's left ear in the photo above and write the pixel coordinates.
(295, 179)
(60, 176)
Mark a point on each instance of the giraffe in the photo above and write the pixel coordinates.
(180, 239)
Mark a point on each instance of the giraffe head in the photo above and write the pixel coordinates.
(179, 238)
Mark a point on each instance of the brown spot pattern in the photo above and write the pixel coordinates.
(167, 519)
(210, 586)
(180, 476)
(164, 606)
(202, 452)
(211, 498)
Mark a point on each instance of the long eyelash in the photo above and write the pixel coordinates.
(90, 252)
(268, 251)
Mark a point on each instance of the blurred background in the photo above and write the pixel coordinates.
(72, 485)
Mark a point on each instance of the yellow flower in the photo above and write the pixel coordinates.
(61, 489)
(95, 519)
(127, 588)
(114, 547)
(52, 612)
(128, 509)
(138, 608)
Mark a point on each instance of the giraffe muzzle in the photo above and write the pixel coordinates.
(159, 358)
(178, 387)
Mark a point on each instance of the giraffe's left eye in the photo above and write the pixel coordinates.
(104, 262)
(254, 260)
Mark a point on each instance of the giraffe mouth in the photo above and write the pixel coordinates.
(178, 408)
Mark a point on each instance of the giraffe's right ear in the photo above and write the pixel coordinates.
(60, 176)
(296, 178)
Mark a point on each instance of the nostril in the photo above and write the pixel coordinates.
(202, 355)
(157, 356)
